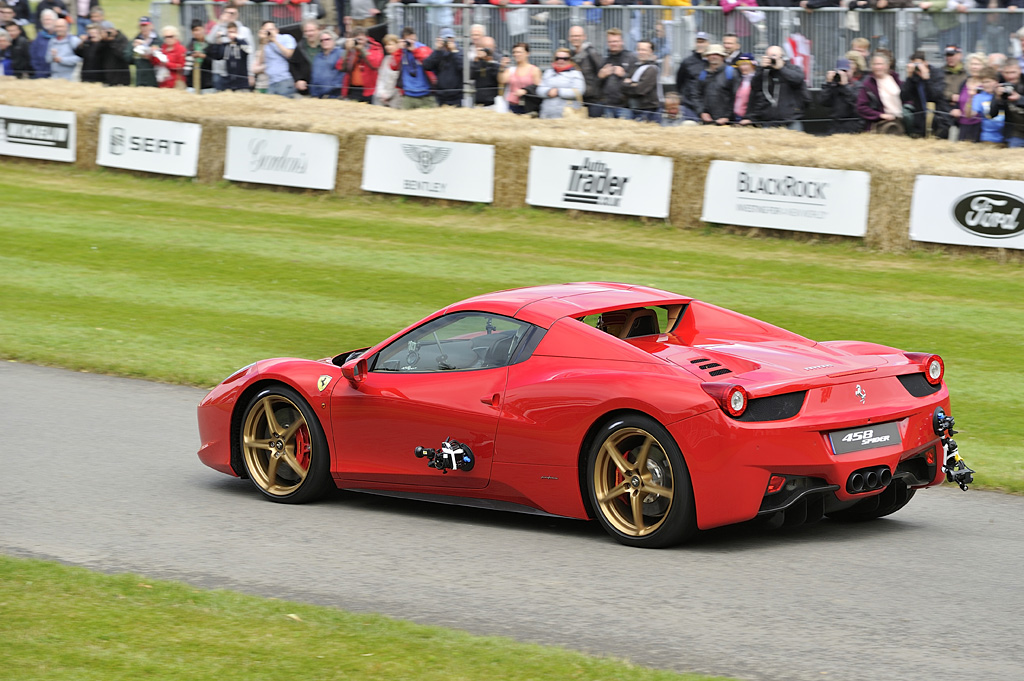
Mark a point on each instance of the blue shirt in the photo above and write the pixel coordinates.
(275, 62)
(991, 128)
(325, 78)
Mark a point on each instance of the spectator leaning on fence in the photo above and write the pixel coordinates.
(878, 101)
(520, 78)
(412, 78)
(588, 62)
(839, 94)
(561, 86)
(301, 63)
(1009, 102)
(21, 57)
(40, 47)
(716, 88)
(779, 94)
(617, 64)
(688, 75)
(642, 86)
(61, 52)
(327, 74)
(169, 60)
(445, 62)
(918, 90)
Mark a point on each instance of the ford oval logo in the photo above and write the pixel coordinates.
(994, 215)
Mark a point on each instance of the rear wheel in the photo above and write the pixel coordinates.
(893, 498)
(284, 448)
(639, 485)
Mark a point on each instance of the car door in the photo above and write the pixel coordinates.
(444, 379)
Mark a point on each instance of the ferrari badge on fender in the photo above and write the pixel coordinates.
(323, 382)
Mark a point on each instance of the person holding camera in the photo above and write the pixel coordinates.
(839, 93)
(779, 94)
(445, 62)
(1009, 102)
(276, 49)
(89, 51)
(363, 56)
(917, 91)
(114, 56)
(233, 55)
(991, 124)
(484, 70)
(413, 80)
(218, 35)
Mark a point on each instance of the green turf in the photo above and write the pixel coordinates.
(69, 624)
(184, 282)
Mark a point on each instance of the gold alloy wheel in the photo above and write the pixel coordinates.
(276, 445)
(633, 482)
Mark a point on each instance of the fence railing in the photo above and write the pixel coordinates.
(826, 34)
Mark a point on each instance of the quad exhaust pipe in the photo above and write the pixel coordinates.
(868, 479)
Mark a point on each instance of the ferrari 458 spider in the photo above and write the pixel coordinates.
(652, 412)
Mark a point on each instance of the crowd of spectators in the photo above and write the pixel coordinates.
(976, 99)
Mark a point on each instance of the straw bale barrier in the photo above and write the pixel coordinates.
(893, 162)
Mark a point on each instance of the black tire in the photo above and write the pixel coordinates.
(893, 498)
(649, 505)
(283, 447)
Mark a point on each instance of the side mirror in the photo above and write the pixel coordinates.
(355, 371)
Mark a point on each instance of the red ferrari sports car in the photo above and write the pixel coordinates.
(655, 413)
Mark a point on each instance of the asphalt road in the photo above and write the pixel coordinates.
(102, 472)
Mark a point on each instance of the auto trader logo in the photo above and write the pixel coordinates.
(117, 141)
(592, 183)
(426, 157)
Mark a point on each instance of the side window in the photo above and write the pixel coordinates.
(457, 342)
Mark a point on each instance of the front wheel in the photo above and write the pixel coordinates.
(284, 448)
(639, 485)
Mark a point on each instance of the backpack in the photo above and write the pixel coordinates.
(729, 71)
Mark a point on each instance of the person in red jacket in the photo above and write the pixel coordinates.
(170, 56)
(361, 60)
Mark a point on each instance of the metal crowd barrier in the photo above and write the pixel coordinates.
(673, 30)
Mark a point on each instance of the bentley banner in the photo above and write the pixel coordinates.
(152, 146)
(37, 133)
(599, 181)
(967, 211)
(787, 197)
(418, 167)
(291, 159)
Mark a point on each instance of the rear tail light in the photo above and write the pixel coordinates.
(931, 365)
(733, 399)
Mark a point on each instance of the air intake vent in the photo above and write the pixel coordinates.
(710, 365)
(719, 372)
(698, 361)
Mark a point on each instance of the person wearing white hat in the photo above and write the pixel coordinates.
(717, 85)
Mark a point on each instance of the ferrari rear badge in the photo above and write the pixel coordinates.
(323, 382)
(861, 394)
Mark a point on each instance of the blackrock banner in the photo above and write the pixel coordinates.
(417, 167)
(37, 133)
(152, 146)
(787, 197)
(968, 211)
(281, 157)
(599, 181)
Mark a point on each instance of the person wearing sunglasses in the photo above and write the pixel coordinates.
(561, 86)
(326, 71)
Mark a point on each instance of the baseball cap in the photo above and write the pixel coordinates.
(745, 56)
(843, 65)
(951, 50)
(145, 20)
(106, 25)
(446, 34)
(701, 35)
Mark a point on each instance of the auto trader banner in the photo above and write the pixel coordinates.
(787, 197)
(419, 167)
(968, 211)
(153, 146)
(599, 181)
(37, 133)
(282, 157)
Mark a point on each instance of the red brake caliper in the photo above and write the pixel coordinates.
(302, 447)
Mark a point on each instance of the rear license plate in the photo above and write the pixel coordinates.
(865, 437)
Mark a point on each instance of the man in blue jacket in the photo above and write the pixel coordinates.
(412, 77)
(40, 47)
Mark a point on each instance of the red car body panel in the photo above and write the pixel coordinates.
(528, 422)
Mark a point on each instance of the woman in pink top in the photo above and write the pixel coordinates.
(518, 78)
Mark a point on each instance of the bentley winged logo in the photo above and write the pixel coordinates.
(426, 158)
(861, 394)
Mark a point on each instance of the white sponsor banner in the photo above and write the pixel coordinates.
(418, 167)
(600, 181)
(787, 197)
(153, 146)
(281, 157)
(37, 133)
(968, 211)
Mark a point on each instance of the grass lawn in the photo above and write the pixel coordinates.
(183, 282)
(70, 624)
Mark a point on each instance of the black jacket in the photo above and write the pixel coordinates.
(686, 78)
(21, 58)
(57, 6)
(643, 93)
(448, 68)
(92, 60)
(842, 99)
(1014, 111)
(716, 92)
(611, 87)
(300, 66)
(777, 95)
(588, 60)
(236, 59)
(485, 79)
(116, 65)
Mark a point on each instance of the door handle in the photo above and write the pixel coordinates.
(491, 400)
